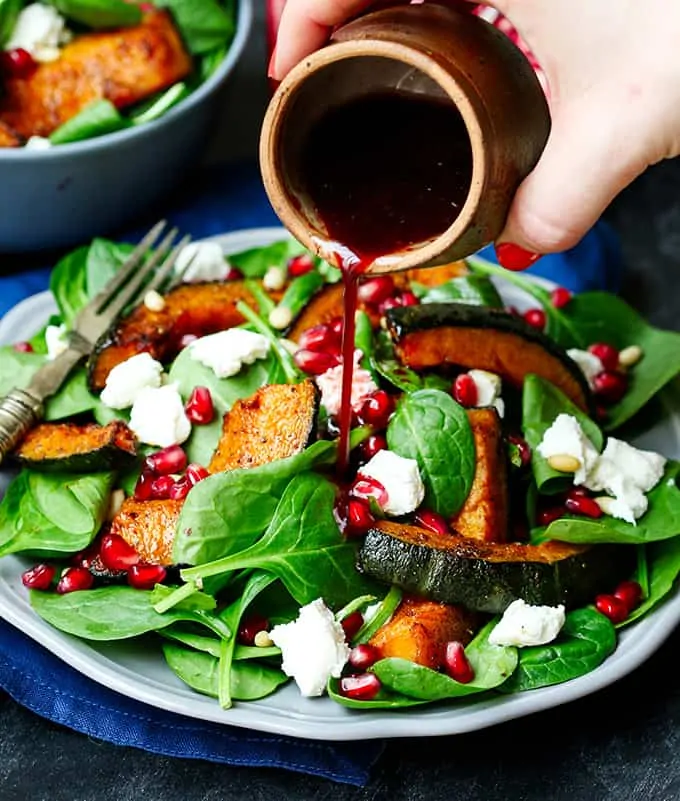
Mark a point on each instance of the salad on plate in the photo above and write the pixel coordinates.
(494, 531)
(76, 69)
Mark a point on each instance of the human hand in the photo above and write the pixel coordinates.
(614, 83)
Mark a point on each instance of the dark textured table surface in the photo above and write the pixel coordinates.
(621, 743)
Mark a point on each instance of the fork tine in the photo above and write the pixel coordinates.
(166, 268)
(131, 289)
(132, 262)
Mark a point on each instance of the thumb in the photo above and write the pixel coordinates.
(592, 153)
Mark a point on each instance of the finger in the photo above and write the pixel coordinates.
(591, 155)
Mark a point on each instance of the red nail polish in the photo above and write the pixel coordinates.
(513, 257)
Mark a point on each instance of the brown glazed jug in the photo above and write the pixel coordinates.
(435, 53)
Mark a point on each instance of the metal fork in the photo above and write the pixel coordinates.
(21, 409)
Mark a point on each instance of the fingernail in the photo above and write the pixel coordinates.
(272, 65)
(513, 257)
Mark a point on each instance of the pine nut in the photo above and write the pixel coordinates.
(564, 463)
(115, 502)
(274, 279)
(153, 301)
(280, 317)
(630, 356)
(263, 640)
(605, 503)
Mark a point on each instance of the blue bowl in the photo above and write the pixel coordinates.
(69, 193)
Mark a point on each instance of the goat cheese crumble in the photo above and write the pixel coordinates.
(589, 364)
(489, 387)
(206, 262)
(401, 479)
(330, 384)
(566, 437)
(226, 352)
(523, 625)
(41, 31)
(55, 340)
(158, 418)
(313, 648)
(126, 380)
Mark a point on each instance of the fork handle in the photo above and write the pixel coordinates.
(19, 411)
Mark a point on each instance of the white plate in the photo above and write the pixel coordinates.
(141, 673)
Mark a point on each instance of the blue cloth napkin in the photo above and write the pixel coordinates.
(213, 202)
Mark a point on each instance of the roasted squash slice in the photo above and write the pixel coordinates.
(71, 448)
(278, 421)
(8, 137)
(419, 630)
(123, 66)
(434, 334)
(487, 577)
(485, 513)
(150, 527)
(432, 276)
(198, 309)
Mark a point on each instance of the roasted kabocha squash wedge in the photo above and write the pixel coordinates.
(149, 527)
(197, 309)
(434, 334)
(419, 630)
(277, 421)
(70, 448)
(485, 513)
(487, 577)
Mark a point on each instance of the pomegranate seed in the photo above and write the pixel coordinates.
(607, 354)
(612, 607)
(407, 298)
(546, 516)
(363, 687)
(144, 576)
(249, 627)
(199, 408)
(75, 578)
(17, 63)
(320, 338)
(610, 386)
(187, 339)
(300, 265)
(351, 624)
(578, 492)
(465, 390)
(337, 326)
(432, 521)
(143, 486)
(375, 290)
(630, 592)
(23, 347)
(560, 297)
(376, 409)
(582, 505)
(457, 664)
(146, 7)
(314, 363)
(386, 305)
(365, 487)
(170, 460)
(535, 318)
(363, 656)
(38, 577)
(180, 489)
(359, 518)
(161, 487)
(116, 553)
(233, 274)
(523, 448)
(371, 445)
(196, 473)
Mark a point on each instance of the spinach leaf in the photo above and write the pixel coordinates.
(430, 427)
(227, 512)
(661, 521)
(363, 341)
(388, 606)
(95, 119)
(9, 12)
(302, 546)
(477, 290)
(212, 645)
(384, 362)
(159, 104)
(286, 362)
(54, 516)
(663, 568)
(99, 13)
(204, 26)
(191, 598)
(542, 402)
(585, 641)
(104, 259)
(113, 613)
(187, 373)
(255, 262)
(300, 291)
(249, 680)
(492, 665)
